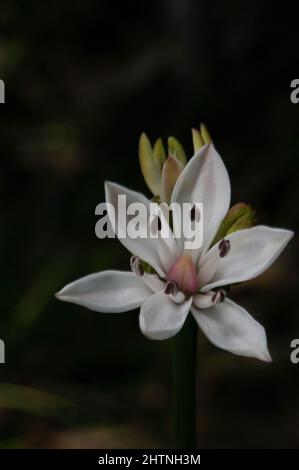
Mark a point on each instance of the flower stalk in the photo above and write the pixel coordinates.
(184, 386)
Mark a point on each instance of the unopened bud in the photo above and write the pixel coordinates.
(176, 150)
(239, 216)
(159, 153)
(150, 169)
(205, 134)
(200, 137)
(197, 140)
(247, 221)
(170, 173)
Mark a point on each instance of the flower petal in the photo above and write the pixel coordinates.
(251, 252)
(160, 318)
(158, 252)
(153, 282)
(205, 179)
(230, 327)
(107, 291)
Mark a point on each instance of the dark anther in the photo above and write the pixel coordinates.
(171, 288)
(136, 266)
(218, 296)
(224, 247)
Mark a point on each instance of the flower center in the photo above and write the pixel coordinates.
(184, 275)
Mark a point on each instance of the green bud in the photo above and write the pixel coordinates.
(239, 216)
(205, 134)
(159, 153)
(150, 169)
(176, 150)
(197, 140)
(170, 173)
(246, 221)
(200, 137)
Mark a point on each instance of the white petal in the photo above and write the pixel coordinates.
(158, 252)
(230, 327)
(251, 252)
(153, 282)
(205, 179)
(160, 318)
(178, 298)
(107, 291)
(207, 269)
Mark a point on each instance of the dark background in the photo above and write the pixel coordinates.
(83, 80)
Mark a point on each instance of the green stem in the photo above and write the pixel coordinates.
(184, 385)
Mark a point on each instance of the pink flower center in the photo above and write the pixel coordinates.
(184, 275)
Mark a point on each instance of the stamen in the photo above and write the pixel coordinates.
(224, 247)
(218, 296)
(171, 287)
(136, 266)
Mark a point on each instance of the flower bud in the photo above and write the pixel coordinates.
(170, 173)
(160, 173)
(200, 137)
(205, 134)
(246, 221)
(150, 167)
(197, 140)
(176, 150)
(239, 216)
(159, 153)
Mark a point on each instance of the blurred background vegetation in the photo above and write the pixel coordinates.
(83, 80)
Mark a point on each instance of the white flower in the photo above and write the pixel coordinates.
(189, 280)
